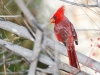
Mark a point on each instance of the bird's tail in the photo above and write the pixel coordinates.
(73, 57)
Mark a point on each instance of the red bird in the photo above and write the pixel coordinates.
(66, 34)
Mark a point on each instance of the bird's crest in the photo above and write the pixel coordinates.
(61, 9)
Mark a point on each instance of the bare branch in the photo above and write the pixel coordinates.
(47, 70)
(82, 5)
(12, 62)
(12, 27)
(36, 52)
(28, 14)
(27, 54)
(47, 43)
(8, 3)
(12, 73)
(87, 29)
(9, 16)
(28, 26)
(28, 2)
(37, 45)
(72, 71)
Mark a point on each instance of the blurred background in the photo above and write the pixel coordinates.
(85, 20)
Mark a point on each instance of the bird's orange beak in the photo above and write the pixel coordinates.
(52, 20)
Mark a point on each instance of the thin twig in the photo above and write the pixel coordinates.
(9, 16)
(28, 26)
(28, 2)
(82, 5)
(28, 14)
(8, 3)
(4, 62)
(12, 62)
(12, 73)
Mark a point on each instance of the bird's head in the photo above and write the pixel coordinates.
(58, 16)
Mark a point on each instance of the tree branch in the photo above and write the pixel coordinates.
(28, 14)
(47, 43)
(82, 5)
(12, 62)
(36, 52)
(27, 54)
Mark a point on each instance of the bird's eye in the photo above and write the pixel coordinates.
(55, 17)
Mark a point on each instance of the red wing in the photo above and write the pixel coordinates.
(74, 36)
(74, 33)
(59, 37)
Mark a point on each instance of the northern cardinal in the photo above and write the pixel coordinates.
(66, 34)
